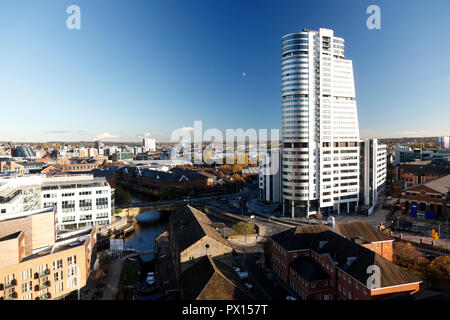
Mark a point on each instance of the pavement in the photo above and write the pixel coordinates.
(164, 266)
(111, 283)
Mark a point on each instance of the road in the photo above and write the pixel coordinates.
(271, 289)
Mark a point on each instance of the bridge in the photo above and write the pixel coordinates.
(134, 253)
(134, 209)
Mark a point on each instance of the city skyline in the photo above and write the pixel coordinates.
(128, 71)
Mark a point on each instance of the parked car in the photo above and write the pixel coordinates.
(290, 298)
(242, 275)
(150, 278)
(248, 285)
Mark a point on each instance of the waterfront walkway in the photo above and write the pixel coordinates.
(110, 287)
(164, 266)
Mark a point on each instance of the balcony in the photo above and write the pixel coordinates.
(38, 275)
(46, 284)
(47, 296)
(12, 296)
(13, 283)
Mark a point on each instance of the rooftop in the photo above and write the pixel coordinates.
(441, 185)
(210, 279)
(348, 256)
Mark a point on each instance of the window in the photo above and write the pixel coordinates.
(68, 206)
(57, 264)
(59, 287)
(101, 203)
(26, 274)
(27, 286)
(85, 204)
(71, 260)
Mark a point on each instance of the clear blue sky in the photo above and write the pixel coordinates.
(144, 66)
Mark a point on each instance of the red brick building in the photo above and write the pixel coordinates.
(411, 174)
(319, 263)
(432, 195)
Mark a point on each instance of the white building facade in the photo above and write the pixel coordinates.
(80, 200)
(320, 156)
(269, 176)
(149, 144)
(373, 172)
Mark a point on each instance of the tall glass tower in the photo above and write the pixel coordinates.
(320, 154)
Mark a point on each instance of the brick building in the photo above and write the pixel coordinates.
(211, 279)
(430, 196)
(176, 177)
(320, 263)
(192, 237)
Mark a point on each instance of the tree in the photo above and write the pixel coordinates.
(104, 261)
(434, 234)
(406, 254)
(244, 228)
(441, 265)
(318, 216)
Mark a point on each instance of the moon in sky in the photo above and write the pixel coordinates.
(243, 74)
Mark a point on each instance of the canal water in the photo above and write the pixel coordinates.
(149, 225)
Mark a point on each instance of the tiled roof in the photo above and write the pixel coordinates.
(350, 230)
(210, 279)
(441, 185)
(190, 225)
(340, 249)
(308, 269)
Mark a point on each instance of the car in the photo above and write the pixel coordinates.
(270, 276)
(290, 298)
(150, 278)
(237, 269)
(248, 285)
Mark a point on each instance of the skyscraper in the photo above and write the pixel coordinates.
(320, 154)
(149, 144)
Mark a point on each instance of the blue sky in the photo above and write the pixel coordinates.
(149, 67)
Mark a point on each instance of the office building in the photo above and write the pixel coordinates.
(320, 156)
(269, 176)
(373, 173)
(149, 144)
(444, 142)
(80, 200)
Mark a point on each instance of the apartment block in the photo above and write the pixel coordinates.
(38, 264)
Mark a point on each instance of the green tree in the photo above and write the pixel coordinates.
(244, 228)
